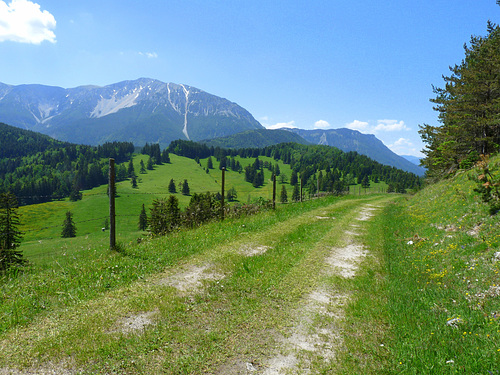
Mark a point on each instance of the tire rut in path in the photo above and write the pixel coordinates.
(316, 332)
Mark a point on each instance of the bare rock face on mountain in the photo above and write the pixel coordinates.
(140, 111)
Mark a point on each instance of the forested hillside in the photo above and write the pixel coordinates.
(333, 168)
(37, 168)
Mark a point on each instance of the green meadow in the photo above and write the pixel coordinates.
(424, 297)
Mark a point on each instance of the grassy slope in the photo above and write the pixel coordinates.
(406, 304)
(71, 309)
(397, 321)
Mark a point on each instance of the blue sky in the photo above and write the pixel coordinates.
(366, 65)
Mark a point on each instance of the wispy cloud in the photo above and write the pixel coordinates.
(149, 55)
(321, 124)
(23, 21)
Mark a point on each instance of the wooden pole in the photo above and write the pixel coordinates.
(274, 192)
(222, 193)
(111, 187)
(301, 182)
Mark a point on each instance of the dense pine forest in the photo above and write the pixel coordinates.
(37, 168)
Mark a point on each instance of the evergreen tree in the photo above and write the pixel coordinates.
(149, 164)
(312, 186)
(296, 193)
(223, 162)
(231, 194)
(143, 219)
(258, 179)
(293, 178)
(120, 172)
(171, 187)
(210, 164)
(165, 156)
(185, 188)
(143, 167)
(165, 216)
(284, 195)
(10, 236)
(277, 170)
(75, 194)
(365, 182)
(282, 178)
(130, 169)
(69, 228)
(133, 181)
(468, 109)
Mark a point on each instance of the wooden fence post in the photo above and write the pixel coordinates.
(274, 192)
(301, 182)
(222, 193)
(111, 191)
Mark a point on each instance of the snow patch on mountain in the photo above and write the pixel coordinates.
(45, 112)
(112, 105)
(184, 130)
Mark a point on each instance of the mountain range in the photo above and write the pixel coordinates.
(140, 111)
(150, 111)
(365, 144)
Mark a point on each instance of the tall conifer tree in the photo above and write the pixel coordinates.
(10, 236)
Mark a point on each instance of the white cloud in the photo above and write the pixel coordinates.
(404, 146)
(358, 125)
(149, 55)
(402, 142)
(280, 125)
(321, 124)
(382, 126)
(23, 21)
(390, 126)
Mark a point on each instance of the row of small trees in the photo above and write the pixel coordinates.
(166, 215)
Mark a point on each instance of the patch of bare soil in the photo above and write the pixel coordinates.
(48, 368)
(135, 323)
(367, 212)
(345, 260)
(191, 279)
(186, 281)
(250, 251)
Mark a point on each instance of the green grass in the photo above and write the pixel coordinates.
(431, 259)
(437, 252)
(68, 306)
